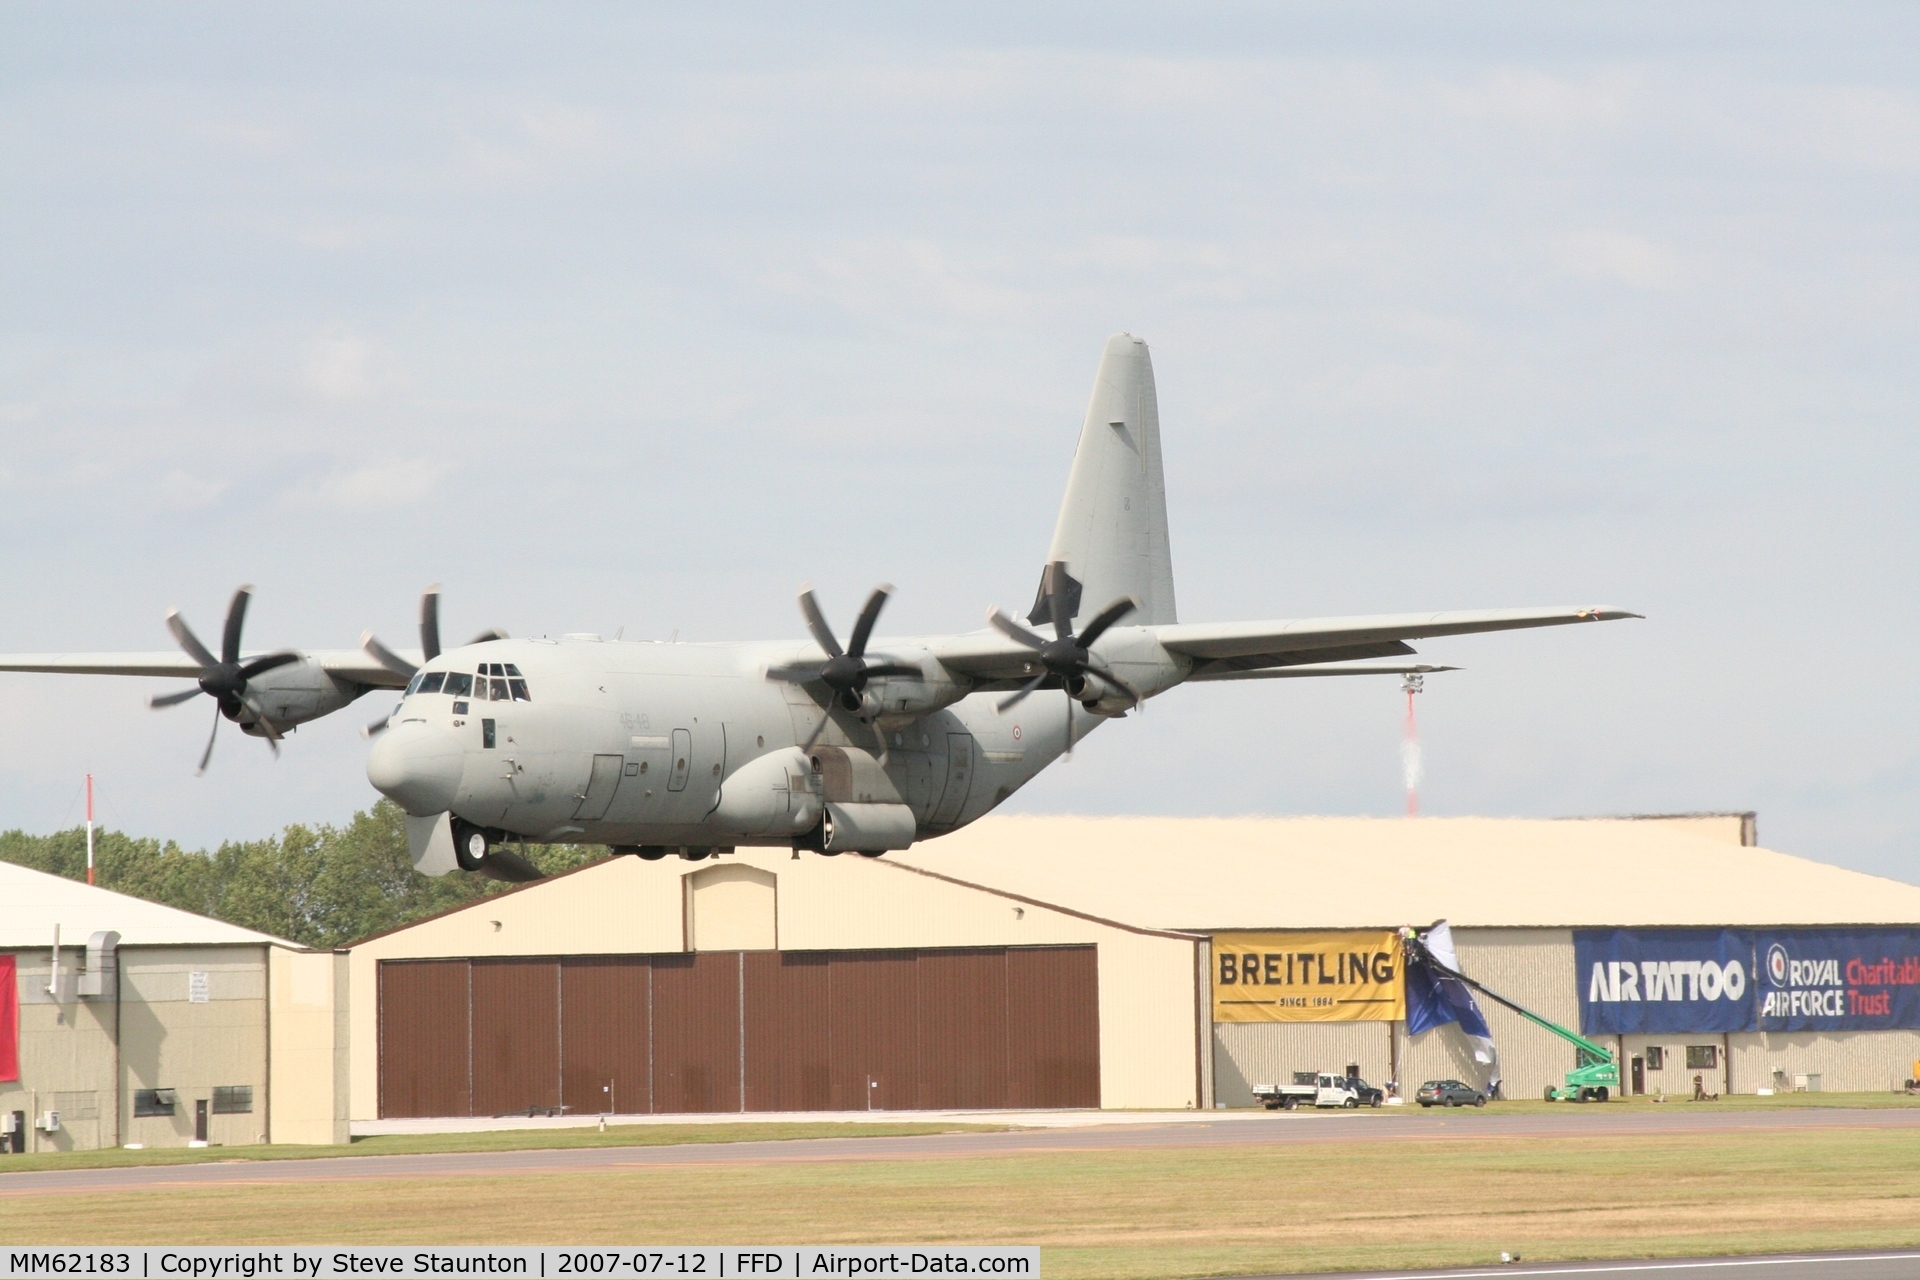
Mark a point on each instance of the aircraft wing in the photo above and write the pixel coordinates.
(1282, 673)
(359, 666)
(1249, 646)
(987, 657)
(165, 663)
(352, 665)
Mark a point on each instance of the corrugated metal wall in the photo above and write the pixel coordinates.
(1250, 1053)
(730, 1031)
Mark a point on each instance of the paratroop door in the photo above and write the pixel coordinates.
(604, 781)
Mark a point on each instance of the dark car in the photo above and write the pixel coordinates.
(1449, 1093)
(1369, 1096)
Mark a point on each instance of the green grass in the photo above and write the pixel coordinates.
(633, 1135)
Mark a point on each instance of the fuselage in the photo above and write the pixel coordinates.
(690, 746)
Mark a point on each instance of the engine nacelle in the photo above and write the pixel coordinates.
(296, 693)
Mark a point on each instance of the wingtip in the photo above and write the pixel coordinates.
(1602, 613)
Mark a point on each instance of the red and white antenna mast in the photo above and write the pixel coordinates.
(1410, 762)
(89, 828)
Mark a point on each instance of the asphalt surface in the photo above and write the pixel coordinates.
(1882, 1265)
(1240, 1130)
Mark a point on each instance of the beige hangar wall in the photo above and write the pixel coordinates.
(1149, 1016)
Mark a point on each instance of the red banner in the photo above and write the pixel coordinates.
(9, 1020)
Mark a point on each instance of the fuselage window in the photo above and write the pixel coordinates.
(459, 684)
(431, 682)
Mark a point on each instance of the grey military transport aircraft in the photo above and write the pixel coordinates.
(863, 746)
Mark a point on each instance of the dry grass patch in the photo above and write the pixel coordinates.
(632, 1135)
(1122, 1214)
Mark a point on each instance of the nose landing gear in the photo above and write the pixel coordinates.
(483, 851)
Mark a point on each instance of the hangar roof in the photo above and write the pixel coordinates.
(32, 902)
(1286, 873)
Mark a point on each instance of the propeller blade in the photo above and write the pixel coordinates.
(385, 656)
(1012, 630)
(260, 718)
(378, 726)
(825, 718)
(800, 674)
(173, 699)
(1057, 611)
(236, 618)
(1105, 618)
(1018, 695)
(430, 623)
(898, 669)
(1107, 677)
(208, 753)
(267, 662)
(183, 635)
(817, 623)
(869, 614)
(881, 738)
(489, 636)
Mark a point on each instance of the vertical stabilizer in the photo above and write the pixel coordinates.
(1112, 533)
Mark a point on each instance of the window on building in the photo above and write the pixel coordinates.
(154, 1102)
(1656, 1057)
(232, 1099)
(1701, 1057)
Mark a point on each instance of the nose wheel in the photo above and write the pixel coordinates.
(482, 851)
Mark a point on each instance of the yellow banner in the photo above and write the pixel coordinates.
(1351, 976)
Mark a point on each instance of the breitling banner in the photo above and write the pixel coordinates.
(1351, 976)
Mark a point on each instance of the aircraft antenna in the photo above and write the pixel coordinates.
(1411, 764)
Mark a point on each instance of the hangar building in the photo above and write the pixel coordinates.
(1078, 962)
(152, 1025)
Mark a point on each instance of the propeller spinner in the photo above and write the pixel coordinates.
(225, 678)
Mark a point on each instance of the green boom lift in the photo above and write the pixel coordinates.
(1596, 1072)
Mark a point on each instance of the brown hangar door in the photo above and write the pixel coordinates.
(900, 1029)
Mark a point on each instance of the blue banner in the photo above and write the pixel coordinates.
(1664, 980)
(1838, 979)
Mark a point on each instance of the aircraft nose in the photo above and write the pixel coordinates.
(417, 767)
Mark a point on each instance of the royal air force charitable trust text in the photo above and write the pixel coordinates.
(710, 1264)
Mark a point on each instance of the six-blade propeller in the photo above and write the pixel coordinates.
(225, 678)
(845, 671)
(1067, 657)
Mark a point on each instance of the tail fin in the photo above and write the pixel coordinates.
(1111, 539)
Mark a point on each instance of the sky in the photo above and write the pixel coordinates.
(628, 316)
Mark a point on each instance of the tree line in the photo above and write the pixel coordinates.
(323, 886)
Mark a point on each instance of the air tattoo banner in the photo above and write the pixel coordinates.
(1663, 980)
(1350, 976)
(1838, 979)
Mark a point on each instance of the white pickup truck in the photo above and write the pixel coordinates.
(1318, 1089)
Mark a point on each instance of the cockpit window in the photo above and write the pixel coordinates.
(459, 684)
(431, 682)
(500, 682)
(413, 685)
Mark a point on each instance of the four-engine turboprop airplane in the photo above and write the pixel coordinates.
(864, 746)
